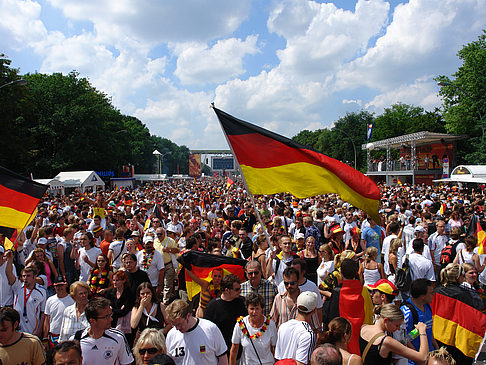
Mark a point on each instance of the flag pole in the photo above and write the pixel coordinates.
(245, 183)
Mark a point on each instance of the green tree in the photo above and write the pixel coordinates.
(307, 138)
(14, 120)
(464, 100)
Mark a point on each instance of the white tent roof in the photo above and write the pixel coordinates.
(75, 179)
(53, 183)
(467, 174)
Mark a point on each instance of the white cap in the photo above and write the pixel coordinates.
(42, 241)
(307, 301)
(299, 235)
(148, 238)
(419, 229)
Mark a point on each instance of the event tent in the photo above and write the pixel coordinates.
(467, 174)
(80, 180)
(55, 186)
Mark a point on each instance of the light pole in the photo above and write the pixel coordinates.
(354, 146)
(20, 82)
(470, 97)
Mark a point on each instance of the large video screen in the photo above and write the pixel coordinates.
(223, 163)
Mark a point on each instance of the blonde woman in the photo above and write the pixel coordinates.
(151, 343)
(370, 271)
(377, 347)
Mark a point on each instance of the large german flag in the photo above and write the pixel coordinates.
(352, 301)
(18, 198)
(457, 324)
(274, 164)
(202, 264)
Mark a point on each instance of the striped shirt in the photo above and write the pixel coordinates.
(266, 289)
(71, 324)
(283, 310)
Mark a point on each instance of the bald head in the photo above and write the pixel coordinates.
(326, 354)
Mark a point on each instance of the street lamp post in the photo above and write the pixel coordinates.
(352, 142)
(20, 82)
(470, 97)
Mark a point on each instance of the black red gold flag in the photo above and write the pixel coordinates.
(202, 264)
(274, 164)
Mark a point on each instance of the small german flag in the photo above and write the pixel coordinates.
(274, 164)
(18, 198)
(229, 183)
(202, 264)
(481, 236)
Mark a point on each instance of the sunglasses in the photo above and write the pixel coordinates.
(151, 351)
(290, 283)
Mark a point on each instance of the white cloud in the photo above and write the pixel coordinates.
(199, 64)
(158, 21)
(422, 92)
(20, 24)
(352, 101)
(422, 39)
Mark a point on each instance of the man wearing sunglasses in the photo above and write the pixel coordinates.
(99, 343)
(224, 311)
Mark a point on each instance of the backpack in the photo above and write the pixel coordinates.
(448, 254)
(403, 278)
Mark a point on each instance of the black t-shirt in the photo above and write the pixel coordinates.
(224, 314)
(136, 278)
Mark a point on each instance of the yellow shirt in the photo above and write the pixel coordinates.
(167, 242)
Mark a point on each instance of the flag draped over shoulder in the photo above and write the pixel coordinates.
(275, 164)
(481, 236)
(202, 264)
(352, 301)
(457, 324)
(18, 199)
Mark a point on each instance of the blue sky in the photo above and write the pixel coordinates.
(285, 65)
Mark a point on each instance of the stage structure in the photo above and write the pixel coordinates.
(221, 162)
(422, 157)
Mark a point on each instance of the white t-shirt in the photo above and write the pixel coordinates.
(111, 349)
(421, 267)
(6, 293)
(202, 345)
(55, 309)
(282, 266)
(118, 248)
(306, 286)
(36, 303)
(323, 271)
(92, 253)
(156, 265)
(262, 344)
(437, 243)
(295, 340)
(385, 249)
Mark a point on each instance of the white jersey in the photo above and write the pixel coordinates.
(55, 309)
(295, 340)
(118, 248)
(35, 303)
(202, 345)
(111, 348)
(92, 254)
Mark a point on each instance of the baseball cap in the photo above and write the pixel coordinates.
(385, 286)
(336, 228)
(299, 235)
(42, 241)
(307, 301)
(148, 238)
(135, 234)
(59, 280)
(419, 229)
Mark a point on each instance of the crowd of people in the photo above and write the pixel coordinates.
(95, 278)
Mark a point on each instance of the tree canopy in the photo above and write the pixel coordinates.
(61, 122)
(464, 98)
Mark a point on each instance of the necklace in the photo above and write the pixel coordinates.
(98, 281)
(260, 331)
(147, 260)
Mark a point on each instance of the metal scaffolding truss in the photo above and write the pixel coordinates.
(417, 139)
